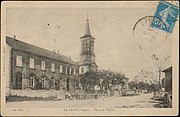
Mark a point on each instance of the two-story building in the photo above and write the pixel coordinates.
(32, 67)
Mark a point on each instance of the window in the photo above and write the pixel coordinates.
(52, 67)
(61, 69)
(74, 72)
(31, 63)
(69, 70)
(31, 81)
(19, 61)
(90, 46)
(43, 65)
(82, 70)
(66, 69)
(53, 82)
(43, 82)
(86, 46)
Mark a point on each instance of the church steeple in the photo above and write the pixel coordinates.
(87, 55)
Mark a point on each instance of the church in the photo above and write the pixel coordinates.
(87, 55)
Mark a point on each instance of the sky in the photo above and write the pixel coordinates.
(116, 48)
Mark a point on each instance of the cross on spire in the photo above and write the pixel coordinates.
(87, 16)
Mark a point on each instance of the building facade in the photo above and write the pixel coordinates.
(168, 80)
(32, 67)
(87, 55)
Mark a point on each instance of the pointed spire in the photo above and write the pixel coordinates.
(87, 31)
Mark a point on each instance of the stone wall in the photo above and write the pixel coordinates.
(39, 93)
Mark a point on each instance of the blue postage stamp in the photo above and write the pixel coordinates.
(165, 16)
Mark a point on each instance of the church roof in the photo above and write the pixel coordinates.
(19, 45)
(93, 64)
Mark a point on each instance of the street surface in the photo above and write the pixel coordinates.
(138, 101)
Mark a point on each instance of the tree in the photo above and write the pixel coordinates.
(160, 64)
(145, 80)
(154, 87)
(89, 80)
(132, 85)
(106, 79)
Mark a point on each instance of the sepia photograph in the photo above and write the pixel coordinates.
(89, 58)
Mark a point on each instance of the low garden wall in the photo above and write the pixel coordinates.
(38, 93)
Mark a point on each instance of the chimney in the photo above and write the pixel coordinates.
(54, 51)
(14, 36)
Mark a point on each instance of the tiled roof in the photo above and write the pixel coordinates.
(19, 45)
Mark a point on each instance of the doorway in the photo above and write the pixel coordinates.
(18, 82)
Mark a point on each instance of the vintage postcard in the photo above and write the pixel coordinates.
(90, 58)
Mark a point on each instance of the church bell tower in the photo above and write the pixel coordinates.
(87, 55)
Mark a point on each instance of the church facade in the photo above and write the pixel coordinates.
(87, 55)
